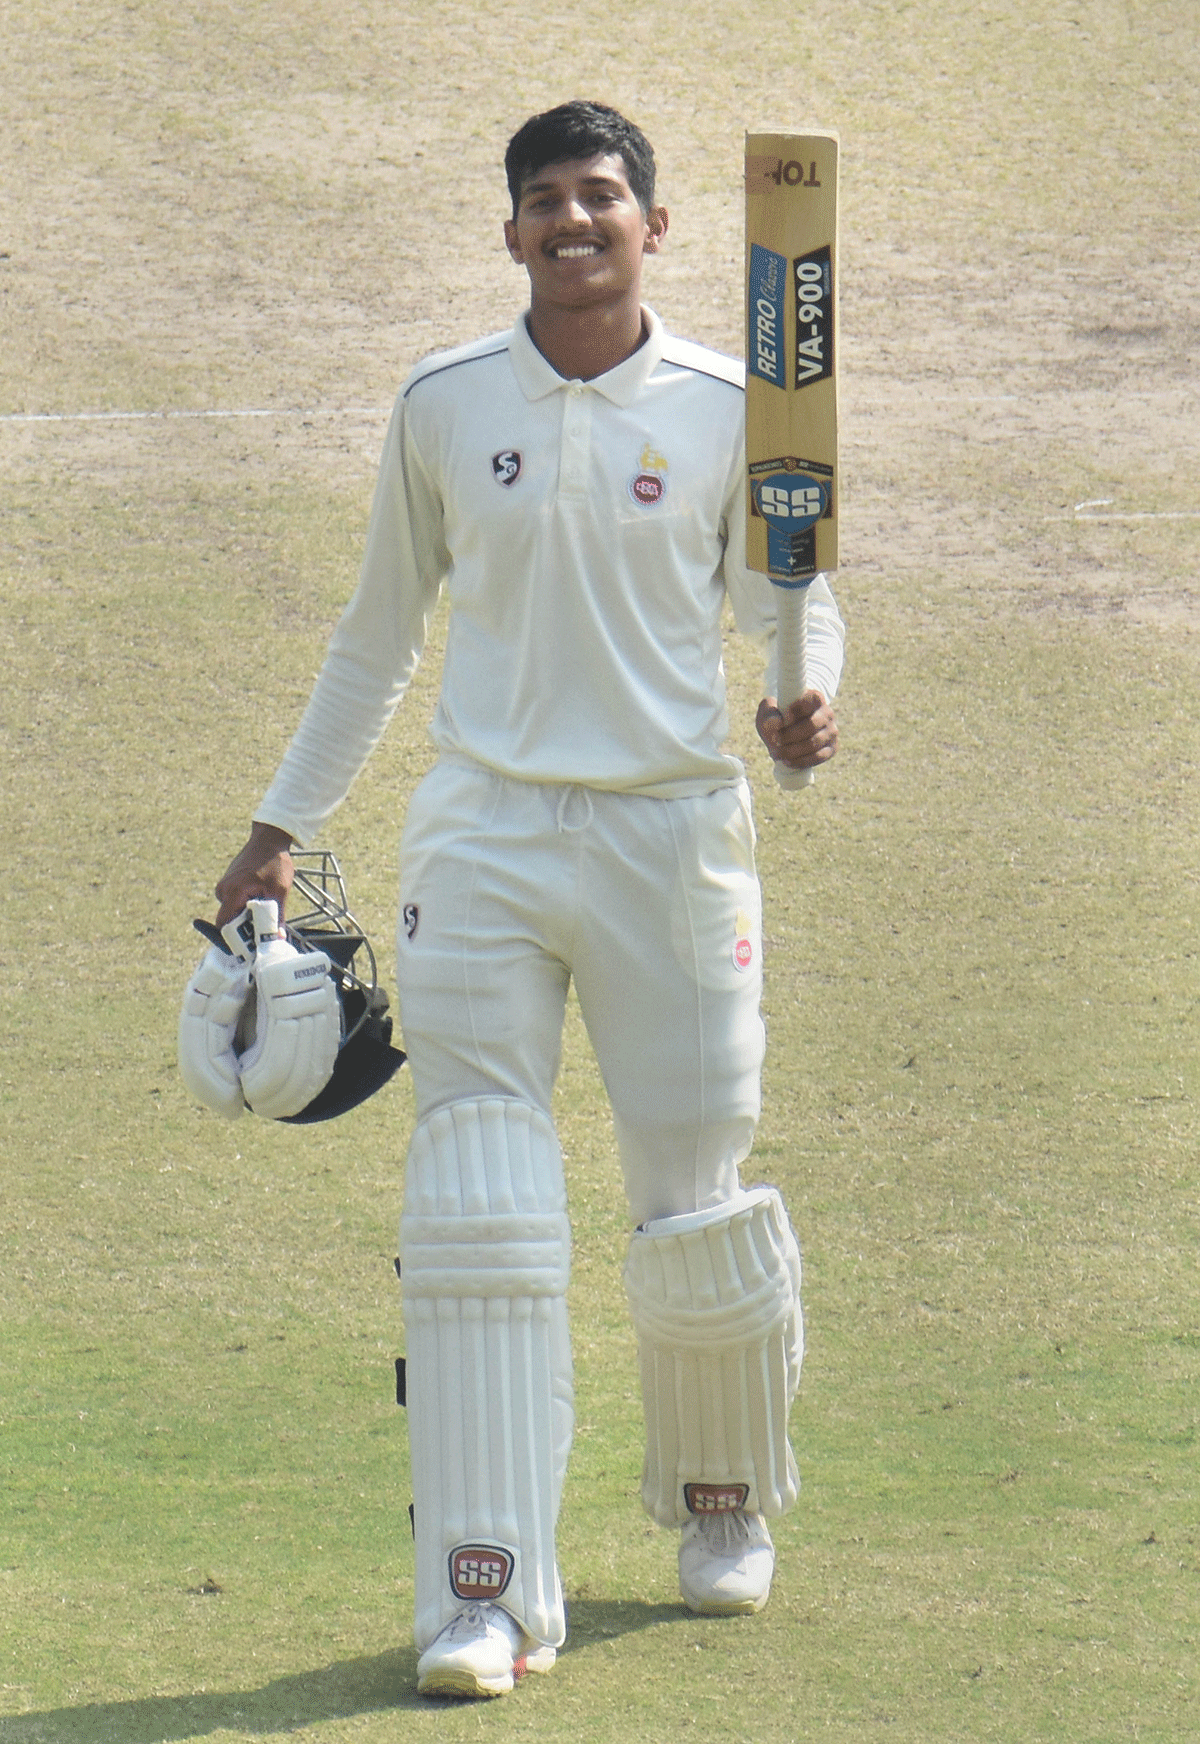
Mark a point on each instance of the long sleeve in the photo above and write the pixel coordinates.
(375, 649)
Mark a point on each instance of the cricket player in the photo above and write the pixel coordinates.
(575, 486)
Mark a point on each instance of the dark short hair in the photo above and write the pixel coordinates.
(579, 129)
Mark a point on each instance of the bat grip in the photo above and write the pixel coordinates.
(792, 634)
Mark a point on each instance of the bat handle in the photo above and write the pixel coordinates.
(792, 634)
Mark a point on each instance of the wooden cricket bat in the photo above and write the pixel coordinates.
(791, 382)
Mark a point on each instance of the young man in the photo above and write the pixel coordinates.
(576, 486)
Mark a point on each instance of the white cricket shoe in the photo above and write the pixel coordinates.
(481, 1652)
(726, 1561)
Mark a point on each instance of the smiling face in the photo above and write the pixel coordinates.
(581, 235)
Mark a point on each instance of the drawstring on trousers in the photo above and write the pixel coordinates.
(575, 800)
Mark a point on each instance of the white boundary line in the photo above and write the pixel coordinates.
(1134, 515)
(257, 412)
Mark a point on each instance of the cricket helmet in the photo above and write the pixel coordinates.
(357, 1025)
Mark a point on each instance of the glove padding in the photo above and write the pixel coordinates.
(212, 1007)
(297, 1030)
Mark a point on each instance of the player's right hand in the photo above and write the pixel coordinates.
(801, 737)
(263, 868)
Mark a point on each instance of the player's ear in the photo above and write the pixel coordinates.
(511, 243)
(657, 221)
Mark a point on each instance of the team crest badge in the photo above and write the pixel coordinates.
(480, 1571)
(647, 489)
(506, 466)
(648, 485)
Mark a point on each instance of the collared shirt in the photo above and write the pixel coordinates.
(587, 535)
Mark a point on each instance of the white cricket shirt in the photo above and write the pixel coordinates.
(587, 534)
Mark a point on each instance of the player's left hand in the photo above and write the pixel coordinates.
(801, 736)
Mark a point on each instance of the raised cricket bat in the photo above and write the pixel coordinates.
(791, 382)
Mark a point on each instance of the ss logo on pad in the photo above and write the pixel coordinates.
(480, 1571)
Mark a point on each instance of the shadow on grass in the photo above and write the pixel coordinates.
(335, 1692)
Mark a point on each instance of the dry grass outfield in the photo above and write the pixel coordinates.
(247, 221)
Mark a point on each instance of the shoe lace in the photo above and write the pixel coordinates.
(725, 1532)
(470, 1622)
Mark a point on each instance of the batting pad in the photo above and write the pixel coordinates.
(212, 1006)
(715, 1297)
(484, 1260)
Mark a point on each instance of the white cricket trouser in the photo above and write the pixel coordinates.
(508, 889)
